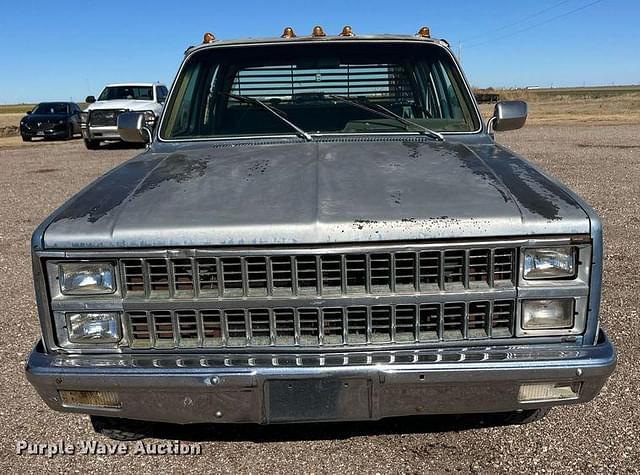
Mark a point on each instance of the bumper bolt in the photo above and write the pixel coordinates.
(215, 380)
(218, 414)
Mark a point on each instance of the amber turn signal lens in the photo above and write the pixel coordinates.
(424, 32)
(346, 31)
(288, 33)
(317, 31)
(208, 38)
(90, 398)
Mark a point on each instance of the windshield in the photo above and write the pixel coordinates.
(141, 93)
(318, 88)
(51, 108)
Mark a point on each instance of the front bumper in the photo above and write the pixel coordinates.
(270, 388)
(52, 132)
(93, 132)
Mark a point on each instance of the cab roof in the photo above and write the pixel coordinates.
(318, 39)
(134, 84)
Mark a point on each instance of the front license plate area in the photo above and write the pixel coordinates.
(317, 400)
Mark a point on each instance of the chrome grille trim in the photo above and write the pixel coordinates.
(326, 274)
(104, 117)
(333, 325)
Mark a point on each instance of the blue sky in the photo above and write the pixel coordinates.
(70, 49)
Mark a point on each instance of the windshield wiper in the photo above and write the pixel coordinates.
(277, 113)
(388, 114)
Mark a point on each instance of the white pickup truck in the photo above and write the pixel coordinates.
(101, 116)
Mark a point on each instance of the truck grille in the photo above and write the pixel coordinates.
(340, 274)
(198, 298)
(104, 117)
(326, 326)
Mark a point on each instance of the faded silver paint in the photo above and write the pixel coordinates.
(322, 192)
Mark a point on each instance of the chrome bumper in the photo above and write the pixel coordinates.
(100, 133)
(272, 388)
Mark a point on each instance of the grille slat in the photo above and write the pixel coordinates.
(330, 326)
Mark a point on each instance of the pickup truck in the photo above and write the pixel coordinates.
(101, 115)
(322, 228)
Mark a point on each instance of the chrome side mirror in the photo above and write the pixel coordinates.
(132, 127)
(508, 115)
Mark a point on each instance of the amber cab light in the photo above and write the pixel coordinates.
(288, 33)
(424, 32)
(317, 31)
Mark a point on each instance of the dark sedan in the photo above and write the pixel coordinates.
(51, 120)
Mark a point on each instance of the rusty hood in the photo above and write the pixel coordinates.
(318, 192)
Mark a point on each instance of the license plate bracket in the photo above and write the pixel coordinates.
(319, 399)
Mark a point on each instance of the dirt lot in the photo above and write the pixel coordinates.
(602, 163)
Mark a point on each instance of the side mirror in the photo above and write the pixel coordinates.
(132, 127)
(90, 99)
(28, 112)
(508, 115)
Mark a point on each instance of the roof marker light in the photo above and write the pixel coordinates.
(317, 31)
(424, 32)
(208, 38)
(288, 33)
(347, 31)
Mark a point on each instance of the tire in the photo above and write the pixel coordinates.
(92, 144)
(26, 138)
(524, 417)
(120, 429)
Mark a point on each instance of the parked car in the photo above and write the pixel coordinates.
(51, 120)
(321, 229)
(101, 115)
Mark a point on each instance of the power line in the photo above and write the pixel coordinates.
(516, 22)
(535, 25)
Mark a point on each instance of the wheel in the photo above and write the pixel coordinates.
(92, 144)
(26, 138)
(120, 429)
(524, 417)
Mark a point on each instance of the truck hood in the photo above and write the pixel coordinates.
(127, 104)
(318, 192)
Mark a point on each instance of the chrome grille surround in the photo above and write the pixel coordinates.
(327, 297)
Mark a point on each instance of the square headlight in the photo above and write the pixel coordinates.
(94, 327)
(86, 278)
(547, 314)
(550, 263)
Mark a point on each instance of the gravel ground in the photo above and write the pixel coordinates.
(602, 163)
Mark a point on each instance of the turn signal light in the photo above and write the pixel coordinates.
(545, 392)
(347, 31)
(318, 31)
(90, 398)
(424, 32)
(288, 33)
(208, 38)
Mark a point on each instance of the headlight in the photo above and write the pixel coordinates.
(85, 278)
(547, 314)
(149, 117)
(550, 263)
(103, 327)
